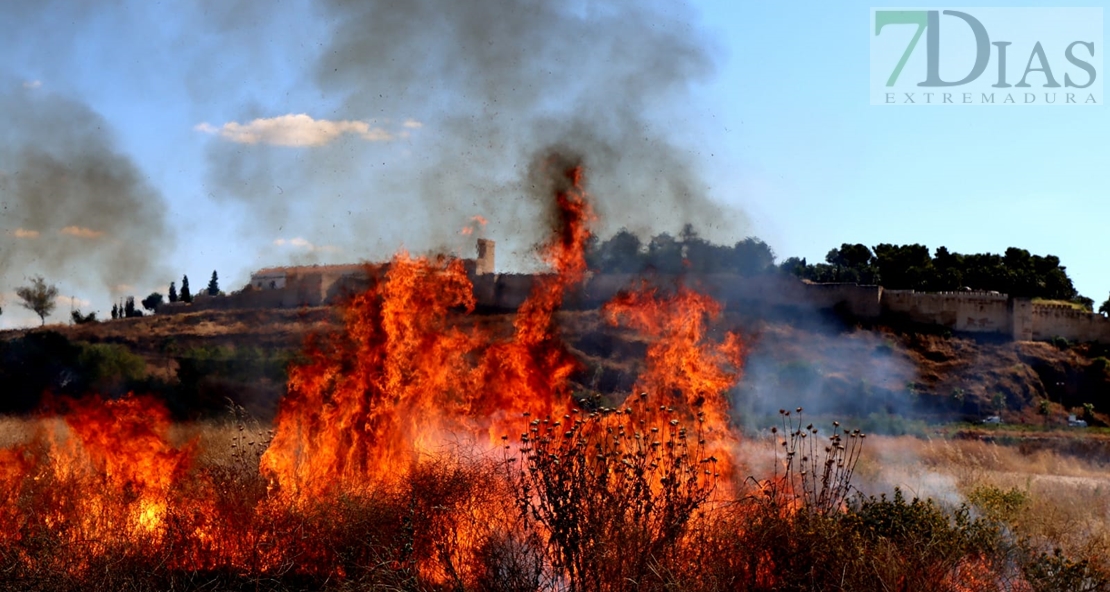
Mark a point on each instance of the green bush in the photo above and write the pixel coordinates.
(109, 368)
(1055, 572)
(998, 504)
(210, 376)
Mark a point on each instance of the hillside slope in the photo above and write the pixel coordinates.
(208, 357)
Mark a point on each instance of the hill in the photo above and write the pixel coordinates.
(888, 375)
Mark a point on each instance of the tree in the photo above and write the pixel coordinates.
(1087, 303)
(1105, 307)
(852, 263)
(186, 295)
(152, 302)
(948, 270)
(855, 256)
(664, 254)
(999, 402)
(214, 285)
(794, 266)
(173, 292)
(115, 311)
(620, 254)
(38, 297)
(751, 256)
(904, 267)
(1045, 409)
(81, 319)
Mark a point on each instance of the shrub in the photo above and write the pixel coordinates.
(612, 492)
(110, 368)
(998, 504)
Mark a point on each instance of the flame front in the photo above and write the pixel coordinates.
(369, 400)
(412, 383)
(687, 372)
(404, 379)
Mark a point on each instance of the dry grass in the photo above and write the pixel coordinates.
(458, 525)
(1067, 303)
(1055, 500)
(14, 431)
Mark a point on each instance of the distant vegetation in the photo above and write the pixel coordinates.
(202, 382)
(186, 295)
(912, 267)
(1017, 272)
(39, 297)
(663, 253)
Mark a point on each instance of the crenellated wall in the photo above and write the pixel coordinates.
(990, 312)
(976, 312)
(1056, 320)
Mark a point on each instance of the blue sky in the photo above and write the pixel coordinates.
(780, 128)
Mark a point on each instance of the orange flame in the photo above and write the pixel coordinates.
(409, 375)
(686, 371)
(476, 223)
(368, 401)
(403, 380)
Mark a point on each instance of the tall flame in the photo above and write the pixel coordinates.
(410, 375)
(369, 399)
(404, 378)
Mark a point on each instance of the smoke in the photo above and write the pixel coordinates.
(831, 373)
(456, 99)
(76, 210)
(861, 378)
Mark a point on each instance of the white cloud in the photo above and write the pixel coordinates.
(82, 232)
(413, 124)
(69, 302)
(304, 244)
(24, 233)
(32, 84)
(297, 130)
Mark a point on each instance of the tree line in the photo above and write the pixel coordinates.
(687, 252)
(41, 298)
(1016, 272)
(155, 299)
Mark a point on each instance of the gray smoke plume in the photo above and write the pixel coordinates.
(491, 83)
(75, 209)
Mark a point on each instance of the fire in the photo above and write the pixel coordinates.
(530, 372)
(408, 381)
(372, 399)
(404, 380)
(688, 373)
(15, 466)
(103, 475)
(476, 224)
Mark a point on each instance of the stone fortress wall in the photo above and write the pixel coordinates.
(969, 311)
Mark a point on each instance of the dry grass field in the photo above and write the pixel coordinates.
(996, 519)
